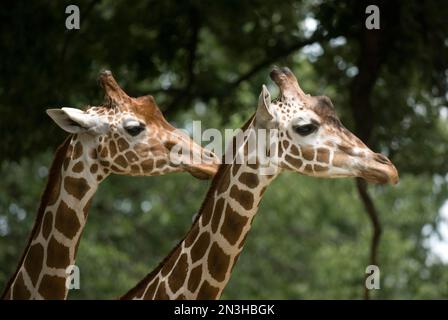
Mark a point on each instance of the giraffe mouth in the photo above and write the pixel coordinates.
(377, 176)
(380, 170)
(199, 162)
(204, 172)
(207, 168)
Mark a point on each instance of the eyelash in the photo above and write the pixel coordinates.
(135, 130)
(305, 130)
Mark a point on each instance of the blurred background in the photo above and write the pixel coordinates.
(312, 238)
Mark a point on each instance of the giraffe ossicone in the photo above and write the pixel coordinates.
(127, 136)
(311, 141)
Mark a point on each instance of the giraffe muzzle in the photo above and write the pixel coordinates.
(198, 161)
(379, 169)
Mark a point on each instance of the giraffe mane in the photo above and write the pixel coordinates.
(54, 178)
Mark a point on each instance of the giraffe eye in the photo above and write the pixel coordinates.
(135, 130)
(306, 129)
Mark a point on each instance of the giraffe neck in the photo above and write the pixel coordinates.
(201, 264)
(52, 246)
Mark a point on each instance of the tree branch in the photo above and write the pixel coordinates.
(68, 39)
(70, 34)
(281, 53)
(373, 53)
(192, 48)
(362, 113)
(375, 222)
(187, 91)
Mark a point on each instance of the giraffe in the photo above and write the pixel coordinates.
(126, 136)
(310, 140)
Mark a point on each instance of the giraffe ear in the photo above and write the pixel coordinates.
(75, 120)
(264, 115)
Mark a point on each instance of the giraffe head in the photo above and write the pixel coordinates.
(130, 136)
(311, 138)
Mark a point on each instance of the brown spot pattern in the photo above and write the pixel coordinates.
(218, 262)
(131, 156)
(122, 144)
(48, 224)
(200, 247)
(295, 151)
(161, 292)
(151, 290)
(57, 254)
(160, 163)
(235, 260)
(217, 213)
(20, 292)
(113, 148)
(78, 167)
(195, 278)
(244, 198)
(224, 182)
(243, 240)
(66, 220)
(235, 169)
(189, 240)
(319, 168)
(294, 162)
(34, 262)
(285, 144)
(55, 192)
(207, 291)
(94, 168)
(66, 163)
(179, 274)
(308, 168)
(233, 225)
(308, 153)
(207, 211)
(249, 179)
(77, 151)
(104, 153)
(121, 161)
(116, 169)
(86, 208)
(8, 294)
(323, 155)
(147, 165)
(171, 261)
(77, 187)
(52, 287)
